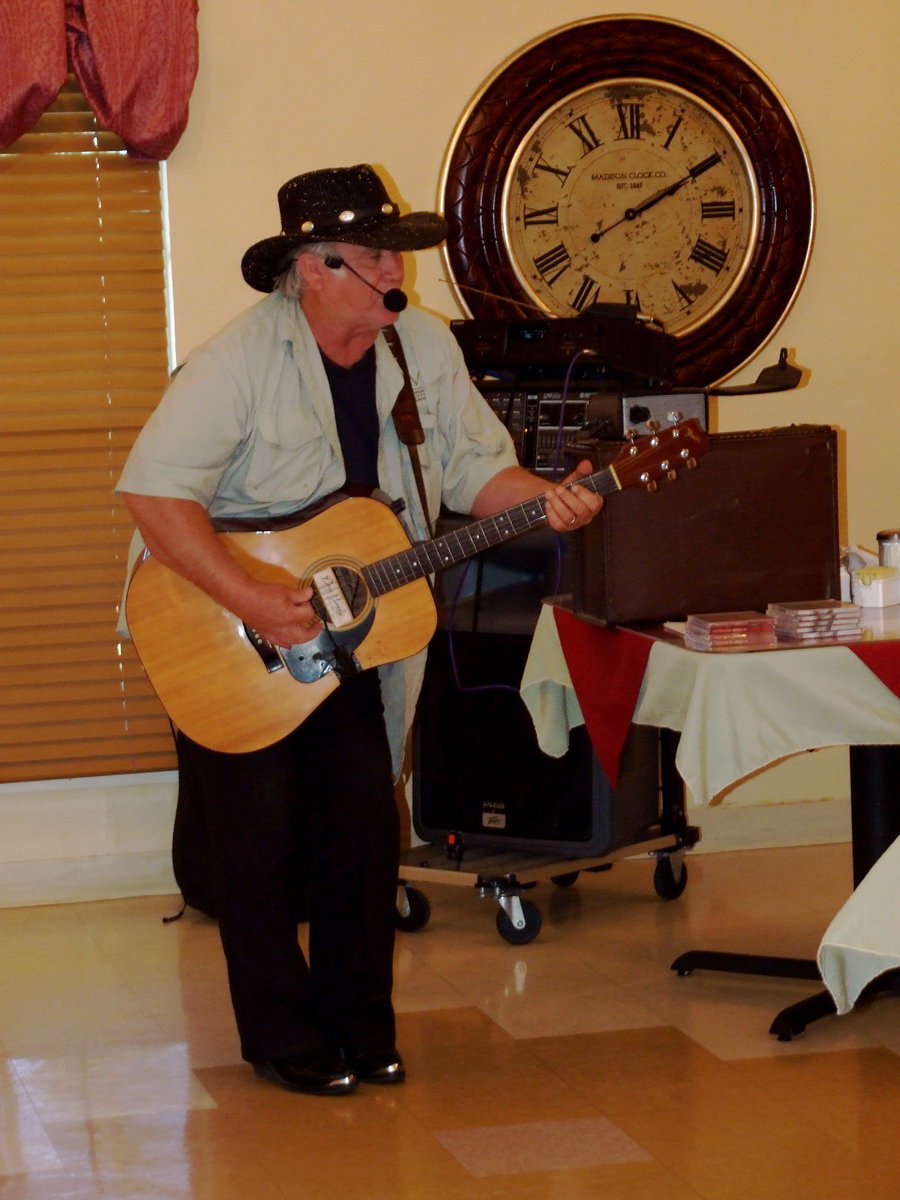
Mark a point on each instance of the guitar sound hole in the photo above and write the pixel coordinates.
(351, 592)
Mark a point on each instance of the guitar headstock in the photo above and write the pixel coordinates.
(660, 454)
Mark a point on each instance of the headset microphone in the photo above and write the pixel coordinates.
(393, 299)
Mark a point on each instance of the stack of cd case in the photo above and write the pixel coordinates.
(730, 631)
(816, 621)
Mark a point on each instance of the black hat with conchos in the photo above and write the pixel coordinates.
(338, 204)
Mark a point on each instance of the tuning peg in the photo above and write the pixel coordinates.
(631, 434)
(671, 474)
(653, 426)
(674, 417)
(650, 484)
(690, 463)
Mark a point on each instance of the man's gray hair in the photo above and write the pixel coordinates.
(290, 281)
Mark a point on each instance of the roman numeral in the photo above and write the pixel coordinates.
(704, 166)
(709, 256)
(585, 134)
(543, 165)
(711, 209)
(541, 216)
(686, 300)
(588, 293)
(672, 131)
(630, 117)
(553, 263)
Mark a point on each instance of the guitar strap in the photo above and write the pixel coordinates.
(406, 421)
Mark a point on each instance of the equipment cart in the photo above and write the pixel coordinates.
(493, 811)
(497, 814)
(507, 876)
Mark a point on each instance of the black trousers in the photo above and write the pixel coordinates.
(321, 801)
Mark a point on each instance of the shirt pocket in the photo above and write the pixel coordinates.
(430, 448)
(290, 456)
(289, 425)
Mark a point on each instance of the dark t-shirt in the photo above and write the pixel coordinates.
(353, 392)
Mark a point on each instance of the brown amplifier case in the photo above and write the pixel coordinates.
(755, 522)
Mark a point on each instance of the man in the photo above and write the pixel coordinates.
(288, 404)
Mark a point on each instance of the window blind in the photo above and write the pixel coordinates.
(82, 364)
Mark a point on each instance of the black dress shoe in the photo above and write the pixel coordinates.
(317, 1074)
(377, 1066)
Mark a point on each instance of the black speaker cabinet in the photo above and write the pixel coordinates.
(478, 770)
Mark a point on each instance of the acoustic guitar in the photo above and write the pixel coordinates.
(229, 689)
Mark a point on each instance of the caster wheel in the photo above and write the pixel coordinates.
(416, 912)
(668, 885)
(528, 932)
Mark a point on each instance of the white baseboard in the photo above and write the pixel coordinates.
(64, 841)
(67, 840)
(804, 823)
(100, 877)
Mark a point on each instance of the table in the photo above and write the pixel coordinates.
(735, 714)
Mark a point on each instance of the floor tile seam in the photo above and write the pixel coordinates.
(770, 1139)
(582, 1095)
(520, 1048)
(841, 1130)
(597, 1111)
(87, 1118)
(430, 1134)
(23, 1090)
(713, 1063)
(681, 1164)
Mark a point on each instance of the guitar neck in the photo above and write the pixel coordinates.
(427, 558)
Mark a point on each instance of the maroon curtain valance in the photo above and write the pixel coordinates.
(32, 63)
(135, 61)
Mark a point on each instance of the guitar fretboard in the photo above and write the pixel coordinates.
(427, 558)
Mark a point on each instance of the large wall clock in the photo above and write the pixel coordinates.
(632, 160)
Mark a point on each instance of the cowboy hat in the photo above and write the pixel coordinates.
(338, 204)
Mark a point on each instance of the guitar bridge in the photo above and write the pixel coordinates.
(272, 660)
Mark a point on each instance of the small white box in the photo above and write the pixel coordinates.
(880, 593)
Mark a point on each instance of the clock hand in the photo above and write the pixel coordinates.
(632, 214)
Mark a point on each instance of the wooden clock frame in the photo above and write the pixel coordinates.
(539, 78)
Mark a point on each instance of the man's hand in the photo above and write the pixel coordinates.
(570, 506)
(567, 508)
(283, 616)
(180, 534)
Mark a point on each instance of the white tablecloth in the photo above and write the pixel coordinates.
(863, 940)
(738, 713)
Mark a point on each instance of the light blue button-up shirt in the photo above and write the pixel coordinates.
(247, 429)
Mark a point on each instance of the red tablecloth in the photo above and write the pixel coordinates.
(882, 659)
(607, 666)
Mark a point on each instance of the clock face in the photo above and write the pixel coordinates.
(632, 160)
(631, 192)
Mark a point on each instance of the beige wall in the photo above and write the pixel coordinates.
(291, 85)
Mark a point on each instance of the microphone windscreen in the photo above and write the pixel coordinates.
(394, 300)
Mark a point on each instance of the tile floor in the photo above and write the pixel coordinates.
(576, 1066)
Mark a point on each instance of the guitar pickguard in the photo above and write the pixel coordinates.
(344, 606)
(331, 651)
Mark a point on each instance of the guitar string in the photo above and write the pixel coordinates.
(404, 567)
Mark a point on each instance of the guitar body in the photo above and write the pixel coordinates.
(211, 679)
(228, 690)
